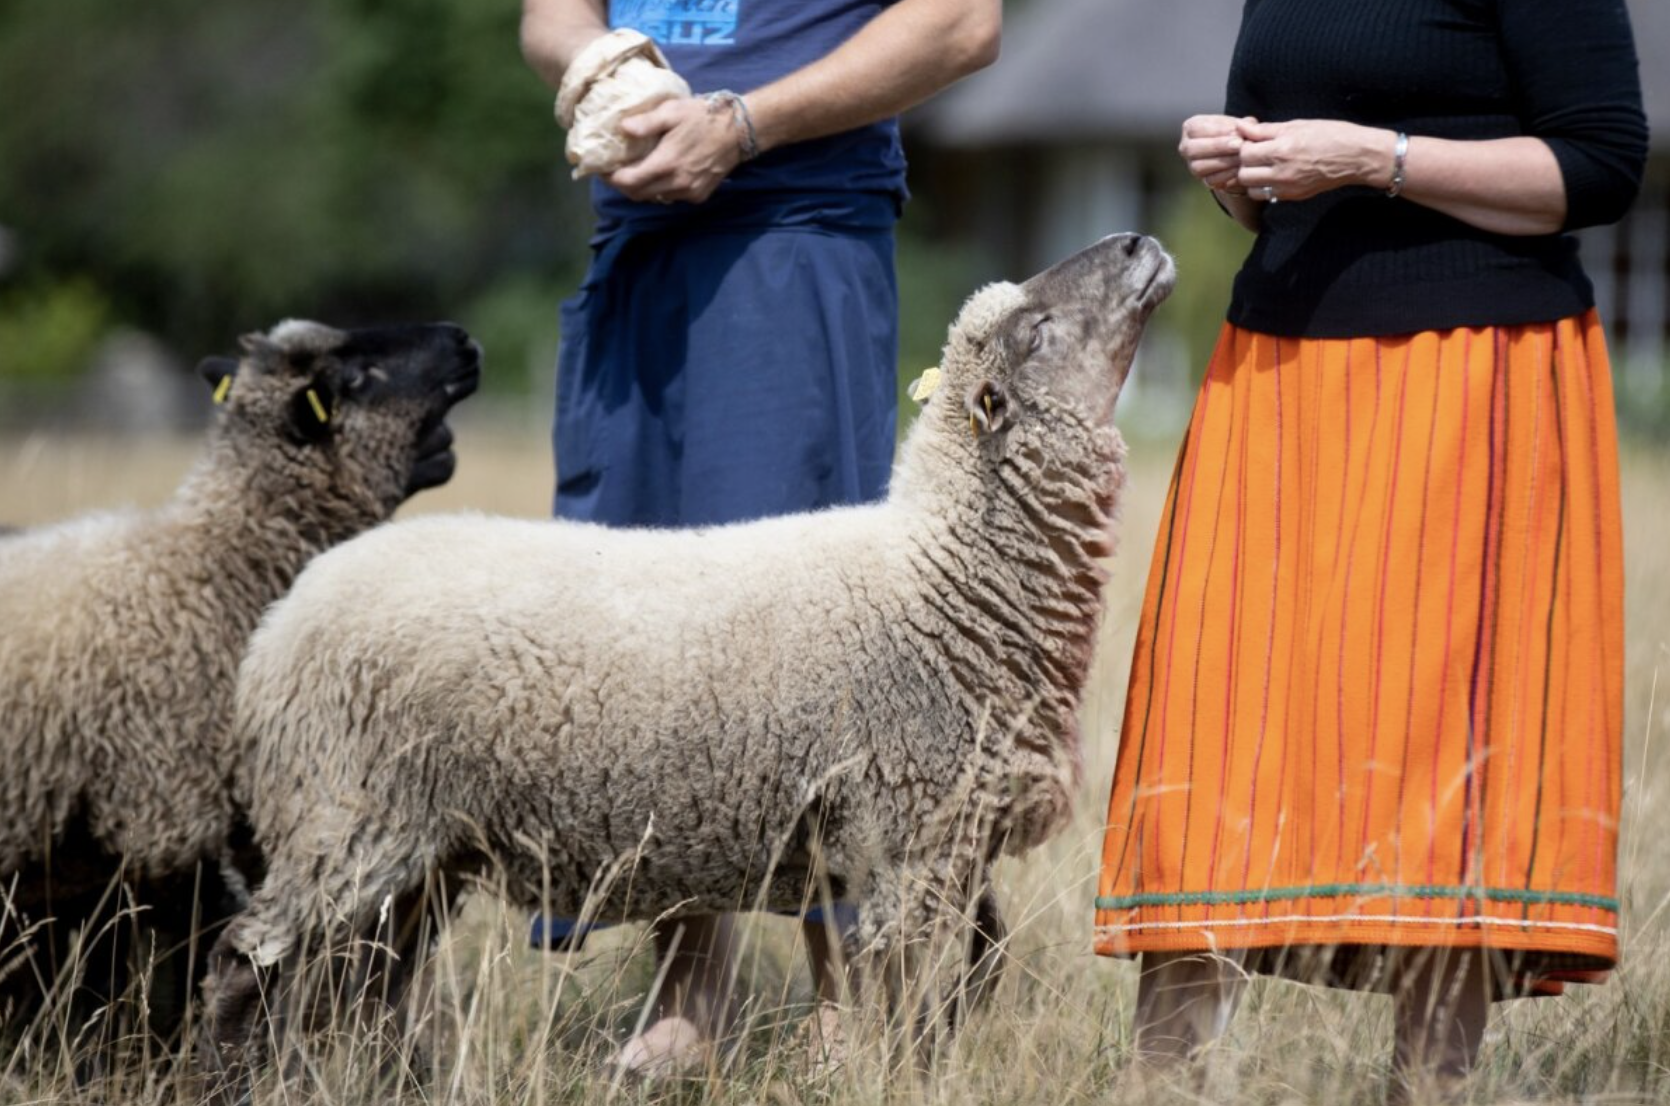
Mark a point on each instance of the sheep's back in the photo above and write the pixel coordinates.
(106, 634)
(567, 677)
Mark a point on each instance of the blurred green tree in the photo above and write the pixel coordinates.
(207, 169)
(1208, 246)
(199, 171)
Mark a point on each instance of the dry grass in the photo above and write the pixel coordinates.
(529, 1028)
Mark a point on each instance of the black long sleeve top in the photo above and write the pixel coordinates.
(1354, 262)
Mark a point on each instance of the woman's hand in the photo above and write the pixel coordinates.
(1307, 157)
(697, 147)
(1211, 148)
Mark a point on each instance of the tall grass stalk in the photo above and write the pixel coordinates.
(505, 1024)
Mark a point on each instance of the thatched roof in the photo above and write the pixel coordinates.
(1075, 70)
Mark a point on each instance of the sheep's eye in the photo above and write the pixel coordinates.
(1037, 342)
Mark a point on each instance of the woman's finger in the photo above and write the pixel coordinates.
(1213, 167)
(1226, 145)
(1216, 146)
(1253, 131)
(1208, 126)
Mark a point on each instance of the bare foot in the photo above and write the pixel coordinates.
(671, 1048)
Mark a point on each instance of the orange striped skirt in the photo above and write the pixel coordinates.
(1377, 690)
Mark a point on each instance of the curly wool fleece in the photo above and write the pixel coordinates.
(889, 691)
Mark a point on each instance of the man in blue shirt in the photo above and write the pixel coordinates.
(732, 351)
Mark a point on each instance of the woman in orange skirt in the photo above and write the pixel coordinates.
(1372, 735)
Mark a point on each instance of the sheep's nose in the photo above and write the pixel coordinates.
(467, 348)
(1131, 243)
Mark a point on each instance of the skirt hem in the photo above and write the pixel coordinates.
(1595, 941)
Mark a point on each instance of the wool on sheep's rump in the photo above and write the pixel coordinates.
(1377, 692)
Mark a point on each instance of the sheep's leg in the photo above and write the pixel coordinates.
(236, 1010)
(906, 928)
(34, 949)
(286, 953)
(64, 955)
(395, 995)
(895, 937)
(183, 917)
(251, 997)
(99, 957)
(140, 951)
(983, 967)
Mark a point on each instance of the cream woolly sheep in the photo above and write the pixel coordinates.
(120, 634)
(889, 692)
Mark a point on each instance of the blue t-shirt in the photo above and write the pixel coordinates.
(742, 45)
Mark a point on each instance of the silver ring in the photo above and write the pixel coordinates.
(1269, 193)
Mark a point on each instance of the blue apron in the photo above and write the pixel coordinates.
(730, 362)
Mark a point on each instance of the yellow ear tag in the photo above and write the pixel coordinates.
(318, 408)
(223, 389)
(988, 398)
(923, 386)
(973, 425)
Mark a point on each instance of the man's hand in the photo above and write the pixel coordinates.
(697, 147)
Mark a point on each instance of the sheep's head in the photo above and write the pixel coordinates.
(359, 414)
(1060, 345)
(1035, 369)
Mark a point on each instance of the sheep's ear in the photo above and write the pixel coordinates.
(218, 372)
(257, 343)
(988, 408)
(313, 412)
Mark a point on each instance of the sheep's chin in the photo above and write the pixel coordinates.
(431, 472)
(435, 461)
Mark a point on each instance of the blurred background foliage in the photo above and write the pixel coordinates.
(1208, 246)
(194, 172)
(197, 171)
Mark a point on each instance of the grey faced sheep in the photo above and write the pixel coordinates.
(885, 694)
(120, 636)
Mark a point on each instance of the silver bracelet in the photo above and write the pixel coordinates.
(746, 139)
(1399, 153)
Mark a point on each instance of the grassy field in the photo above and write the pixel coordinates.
(522, 1027)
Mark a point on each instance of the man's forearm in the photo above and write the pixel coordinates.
(900, 58)
(553, 31)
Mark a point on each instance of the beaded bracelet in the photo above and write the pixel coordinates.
(747, 140)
